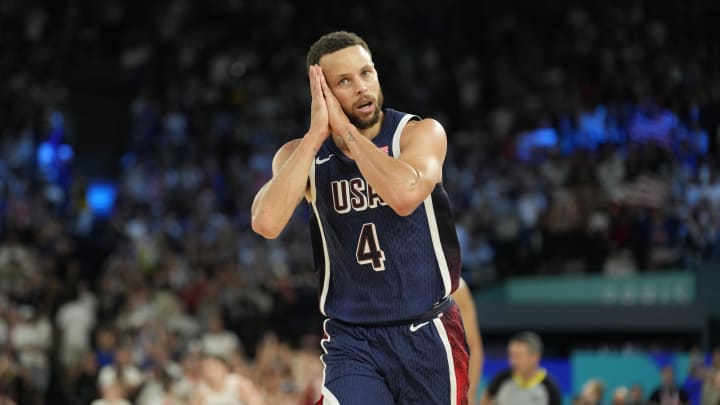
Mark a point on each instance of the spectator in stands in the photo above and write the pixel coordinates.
(636, 396)
(75, 320)
(32, 339)
(668, 393)
(123, 374)
(694, 381)
(711, 382)
(219, 341)
(525, 381)
(81, 385)
(221, 385)
(190, 377)
(620, 396)
(13, 383)
(592, 392)
(106, 345)
(711, 390)
(112, 394)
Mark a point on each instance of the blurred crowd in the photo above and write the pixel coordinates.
(581, 140)
(700, 387)
(525, 380)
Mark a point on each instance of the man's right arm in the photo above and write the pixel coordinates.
(277, 199)
(275, 202)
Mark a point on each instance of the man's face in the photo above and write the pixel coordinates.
(522, 360)
(668, 375)
(351, 75)
(636, 393)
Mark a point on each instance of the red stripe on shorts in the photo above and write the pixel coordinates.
(456, 335)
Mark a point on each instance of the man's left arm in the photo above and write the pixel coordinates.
(404, 182)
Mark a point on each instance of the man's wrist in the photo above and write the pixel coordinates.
(316, 135)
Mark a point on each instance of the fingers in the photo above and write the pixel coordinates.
(323, 84)
(329, 96)
(316, 90)
(314, 84)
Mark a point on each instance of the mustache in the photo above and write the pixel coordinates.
(365, 100)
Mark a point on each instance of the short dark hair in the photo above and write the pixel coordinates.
(531, 339)
(332, 42)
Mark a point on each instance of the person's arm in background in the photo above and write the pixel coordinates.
(275, 203)
(249, 394)
(465, 302)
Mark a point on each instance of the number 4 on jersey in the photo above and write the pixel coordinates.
(368, 248)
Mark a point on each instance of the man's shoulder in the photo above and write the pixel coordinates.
(550, 384)
(427, 130)
(501, 377)
(424, 124)
(498, 382)
(285, 151)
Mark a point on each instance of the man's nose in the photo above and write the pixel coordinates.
(361, 87)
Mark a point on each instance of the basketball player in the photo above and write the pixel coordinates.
(383, 235)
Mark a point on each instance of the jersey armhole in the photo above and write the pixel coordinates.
(310, 193)
(398, 133)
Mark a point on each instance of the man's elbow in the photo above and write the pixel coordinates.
(264, 227)
(404, 208)
(404, 204)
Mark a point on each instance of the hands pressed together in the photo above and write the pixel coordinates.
(326, 113)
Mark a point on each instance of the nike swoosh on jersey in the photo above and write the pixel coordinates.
(319, 161)
(414, 328)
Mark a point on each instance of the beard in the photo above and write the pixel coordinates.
(365, 123)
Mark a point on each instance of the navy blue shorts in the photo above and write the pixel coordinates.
(423, 362)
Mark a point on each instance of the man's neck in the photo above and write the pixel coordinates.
(528, 375)
(529, 379)
(374, 130)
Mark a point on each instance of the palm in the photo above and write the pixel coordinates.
(336, 116)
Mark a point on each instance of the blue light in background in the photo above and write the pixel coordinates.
(100, 197)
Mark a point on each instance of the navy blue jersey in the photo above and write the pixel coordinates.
(374, 265)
